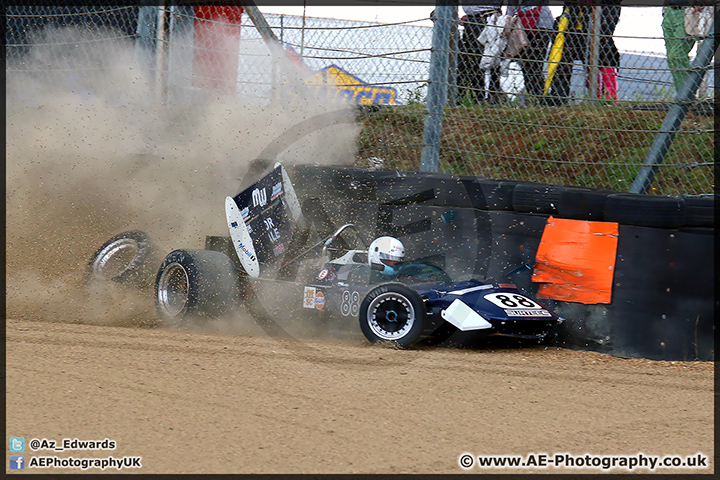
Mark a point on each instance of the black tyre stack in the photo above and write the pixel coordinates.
(445, 190)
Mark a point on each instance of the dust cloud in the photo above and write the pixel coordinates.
(91, 153)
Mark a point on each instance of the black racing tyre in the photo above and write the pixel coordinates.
(645, 210)
(434, 189)
(486, 194)
(127, 258)
(700, 211)
(392, 313)
(579, 203)
(536, 198)
(352, 183)
(499, 194)
(196, 284)
(346, 183)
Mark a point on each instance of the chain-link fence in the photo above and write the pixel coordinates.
(503, 119)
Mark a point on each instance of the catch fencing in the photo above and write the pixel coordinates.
(384, 69)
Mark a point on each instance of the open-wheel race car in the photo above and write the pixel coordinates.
(271, 250)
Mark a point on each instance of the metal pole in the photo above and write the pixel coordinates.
(273, 43)
(147, 28)
(302, 33)
(275, 75)
(161, 52)
(675, 115)
(437, 88)
(261, 24)
(594, 53)
(454, 48)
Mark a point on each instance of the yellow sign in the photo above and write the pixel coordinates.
(334, 82)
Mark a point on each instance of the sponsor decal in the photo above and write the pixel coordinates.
(234, 224)
(319, 300)
(309, 297)
(273, 232)
(245, 213)
(279, 249)
(276, 191)
(259, 197)
(528, 313)
(246, 251)
(313, 298)
(323, 274)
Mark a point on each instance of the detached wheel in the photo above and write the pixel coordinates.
(196, 284)
(392, 313)
(128, 258)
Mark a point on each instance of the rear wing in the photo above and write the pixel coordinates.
(262, 220)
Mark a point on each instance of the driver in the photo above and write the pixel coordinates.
(386, 254)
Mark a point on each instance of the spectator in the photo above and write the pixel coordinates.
(537, 20)
(609, 60)
(677, 42)
(609, 56)
(471, 79)
(568, 46)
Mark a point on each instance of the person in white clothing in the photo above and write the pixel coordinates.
(471, 79)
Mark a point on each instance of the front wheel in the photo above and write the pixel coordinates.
(392, 313)
(127, 258)
(196, 284)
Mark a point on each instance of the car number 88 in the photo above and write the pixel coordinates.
(350, 303)
(511, 300)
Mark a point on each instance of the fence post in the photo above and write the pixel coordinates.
(162, 53)
(675, 115)
(594, 53)
(437, 87)
(261, 24)
(453, 60)
(147, 28)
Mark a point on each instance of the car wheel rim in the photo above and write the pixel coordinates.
(173, 289)
(390, 316)
(115, 259)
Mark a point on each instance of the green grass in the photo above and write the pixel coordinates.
(598, 147)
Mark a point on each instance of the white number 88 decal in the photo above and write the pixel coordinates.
(350, 303)
(511, 300)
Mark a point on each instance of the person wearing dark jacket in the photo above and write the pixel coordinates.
(568, 46)
(609, 60)
(537, 21)
(574, 25)
(471, 78)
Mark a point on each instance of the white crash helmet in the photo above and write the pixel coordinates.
(385, 249)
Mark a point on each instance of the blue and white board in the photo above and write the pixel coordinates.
(262, 219)
(241, 238)
(291, 198)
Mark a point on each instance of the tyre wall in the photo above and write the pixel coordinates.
(662, 292)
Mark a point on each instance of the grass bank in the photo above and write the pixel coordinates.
(598, 147)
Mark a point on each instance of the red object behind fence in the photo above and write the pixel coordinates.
(216, 47)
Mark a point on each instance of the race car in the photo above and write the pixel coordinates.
(340, 276)
(403, 303)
